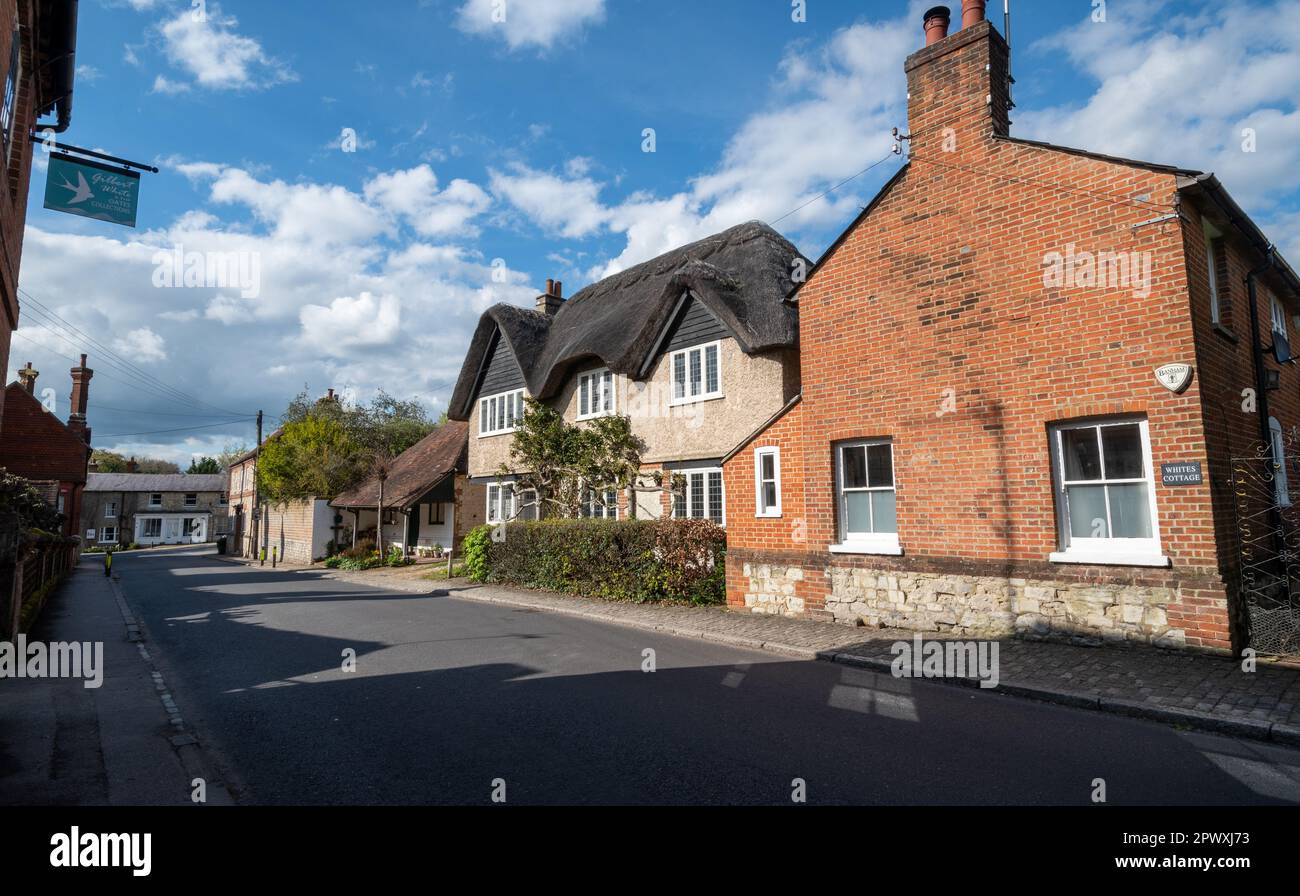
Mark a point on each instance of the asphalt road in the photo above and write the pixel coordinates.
(451, 695)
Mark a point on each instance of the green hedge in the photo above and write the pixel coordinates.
(633, 560)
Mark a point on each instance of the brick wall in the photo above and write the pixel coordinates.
(931, 325)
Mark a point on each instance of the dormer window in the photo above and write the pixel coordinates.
(595, 394)
(696, 373)
(502, 413)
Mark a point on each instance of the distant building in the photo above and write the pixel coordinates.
(37, 445)
(151, 509)
(38, 42)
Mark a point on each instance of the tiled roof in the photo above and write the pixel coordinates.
(416, 470)
(156, 482)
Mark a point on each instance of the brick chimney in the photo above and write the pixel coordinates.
(81, 375)
(132, 466)
(958, 85)
(550, 301)
(27, 377)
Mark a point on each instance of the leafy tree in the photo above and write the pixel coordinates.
(204, 465)
(108, 461)
(561, 460)
(112, 462)
(387, 424)
(154, 465)
(232, 453)
(311, 458)
(20, 496)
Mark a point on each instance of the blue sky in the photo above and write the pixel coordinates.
(515, 148)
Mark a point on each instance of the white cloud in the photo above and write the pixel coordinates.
(529, 23)
(349, 323)
(413, 195)
(140, 345)
(1144, 106)
(568, 207)
(210, 50)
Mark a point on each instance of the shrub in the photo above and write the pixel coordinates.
(475, 547)
(361, 551)
(333, 562)
(634, 560)
(396, 557)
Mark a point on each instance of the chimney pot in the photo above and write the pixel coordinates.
(81, 376)
(550, 301)
(937, 21)
(550, 287)
(972, 12)
(559, 289)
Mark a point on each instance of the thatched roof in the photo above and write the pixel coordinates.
(415, 471)
(742, 275)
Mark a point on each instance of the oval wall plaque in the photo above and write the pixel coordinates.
(1174, 377)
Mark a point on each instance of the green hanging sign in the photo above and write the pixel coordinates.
(92, 190)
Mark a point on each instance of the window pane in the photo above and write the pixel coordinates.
(768, 466)
(492, 419)
(584, 386)
(1080, 449)
(855, 467)
(857, 512)
(679, 376)
(1122, 448)
(510, 413)
(697, 495)
(715, 497)
(880, 466)
(1087, 511)
(1130, 511)
(711, 368)
(494, 495)
(884, 512)
(695, 372)
(769, 495)
(607, 392)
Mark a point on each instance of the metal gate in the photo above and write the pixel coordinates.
(1266, 497)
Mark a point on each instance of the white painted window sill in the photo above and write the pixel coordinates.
(768, 516)
(880, 549)
(699, 399)
(1101, 558)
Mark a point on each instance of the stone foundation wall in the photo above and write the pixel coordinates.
(1082, 611)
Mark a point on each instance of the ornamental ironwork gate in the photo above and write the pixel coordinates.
(1268, 531)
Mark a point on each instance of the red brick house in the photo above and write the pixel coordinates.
(38, 41)
(37, 445)
(1027, 372)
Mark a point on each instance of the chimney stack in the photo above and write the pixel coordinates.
(93, 466)
(937, 21)
(81, 375)
(549, 302)
(27, 377)
(972, 12)
(132, 466)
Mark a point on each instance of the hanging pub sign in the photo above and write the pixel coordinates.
(92, 190)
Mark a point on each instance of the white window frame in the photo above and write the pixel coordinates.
(104, 536)
(761, 510)
(110, 510)
(687, 504)
(601, 385)
(884, 543)
(704, 393)
(498, 510)
(1103, 551)
(1216, 311)
(1277, 448)
(592, 509)
(497, 411)
(188, 502)
(152, 502)
(147, 522)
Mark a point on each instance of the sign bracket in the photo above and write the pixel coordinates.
(90, 153)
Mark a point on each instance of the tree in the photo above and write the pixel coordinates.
(155, 465)
(204, 465)
(386, 424)
(311, 458)
(567, 464)
(232, 453)
(22, 497)
(112, 462)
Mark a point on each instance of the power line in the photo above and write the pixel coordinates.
(109, 407)
(832, 189)
(126, 365)
(154, 432)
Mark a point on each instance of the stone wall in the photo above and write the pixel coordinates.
(974, 606)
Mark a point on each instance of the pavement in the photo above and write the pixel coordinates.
(307, 688)
(63, 744)
(1200, 691)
